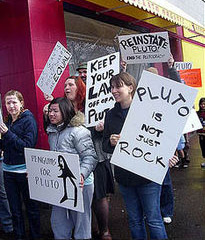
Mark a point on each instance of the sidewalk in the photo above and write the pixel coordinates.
(189, 215)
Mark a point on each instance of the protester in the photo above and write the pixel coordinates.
(201, 132)
(141, 196)
(82, 71)
(5, 214)
(172, 72)
(75, 91)
(66, 133)
(18, 132)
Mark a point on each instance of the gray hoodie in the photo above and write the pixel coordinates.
(75, 138)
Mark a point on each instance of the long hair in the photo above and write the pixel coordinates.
(19, 97)
(125, 78)
(200, 102)
(67, 110)
(81, 92)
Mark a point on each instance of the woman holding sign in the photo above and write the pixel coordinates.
(66, 133)
(19, 131)
(141, 196)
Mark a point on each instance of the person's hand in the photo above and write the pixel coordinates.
(48, 97)
(173, 161)
(3, 128)
(99, 127)
(114, 139)
(170, 62)
(81, 181)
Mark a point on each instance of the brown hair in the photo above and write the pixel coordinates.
(17, 94)
(125, 78)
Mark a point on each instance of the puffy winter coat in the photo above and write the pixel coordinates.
(75, 138)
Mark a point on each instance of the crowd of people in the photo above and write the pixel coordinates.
(146, 201)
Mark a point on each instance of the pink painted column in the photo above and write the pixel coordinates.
(28, 32)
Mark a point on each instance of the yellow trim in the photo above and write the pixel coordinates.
(195, 54)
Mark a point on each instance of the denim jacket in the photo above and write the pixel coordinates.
(75, 138)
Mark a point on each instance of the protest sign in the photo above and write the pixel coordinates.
(192, 77)
(145, 48)
(54, 68)
(193, 122)
(153, 126)
(182, 65)
(54, 178)
(98, 92)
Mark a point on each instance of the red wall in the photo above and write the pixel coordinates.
(28, 32)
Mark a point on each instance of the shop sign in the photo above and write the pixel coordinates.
(54, 178)
(145, 48)
(192, 77)
(183, 65)
(54, 68)
(99, 98)
(153, 127)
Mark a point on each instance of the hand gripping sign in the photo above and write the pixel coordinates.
(153, 126)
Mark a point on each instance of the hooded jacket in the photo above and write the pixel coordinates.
(76, 139)
(21, 133)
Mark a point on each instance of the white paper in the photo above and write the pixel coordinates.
(145, 48)
(153, 126)
(54, 68)
(98, 93)
(54, 178)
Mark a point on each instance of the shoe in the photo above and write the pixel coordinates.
(185, 165)
(203, 165)
(167, 220)
(105, 236)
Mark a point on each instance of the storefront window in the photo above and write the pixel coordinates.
(88, 39)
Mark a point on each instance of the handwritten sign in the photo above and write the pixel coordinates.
(192, 77)
(54, 178)
(98, 92)
(193, 122)
(182, 65)
(54, 68)
(153, 126)
(145, 48)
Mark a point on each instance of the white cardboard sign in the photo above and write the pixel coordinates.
(193, 122)
(183, 65)
(54, 68)
(98, 92)
(145, 48)
(54, 178)
(153, 126)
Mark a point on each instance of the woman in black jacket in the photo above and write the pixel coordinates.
(141, 196)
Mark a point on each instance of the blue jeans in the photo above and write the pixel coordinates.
(167, 197)
(16, 185)
(5, 215)
(143, 202)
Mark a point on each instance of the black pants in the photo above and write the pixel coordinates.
(202, 144)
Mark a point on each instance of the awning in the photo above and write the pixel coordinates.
(169, 12)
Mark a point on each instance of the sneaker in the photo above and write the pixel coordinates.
(185, 165)
(167, 220)
(203, 165)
